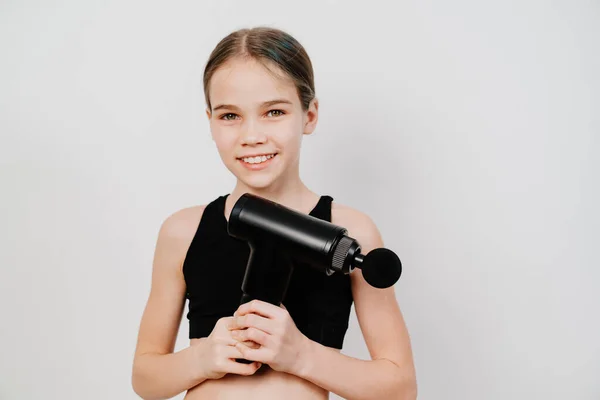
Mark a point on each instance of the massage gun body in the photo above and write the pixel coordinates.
(263, 223)
(278, 238)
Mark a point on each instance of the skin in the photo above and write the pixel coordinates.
(245, 120)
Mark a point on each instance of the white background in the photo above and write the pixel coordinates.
(468, 130)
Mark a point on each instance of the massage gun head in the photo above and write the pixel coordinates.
(381, 267)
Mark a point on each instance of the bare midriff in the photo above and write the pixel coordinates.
(266, 383)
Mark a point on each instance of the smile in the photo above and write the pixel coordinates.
(258, 159)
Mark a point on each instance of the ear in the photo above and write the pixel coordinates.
(311, 117)
(208, 115)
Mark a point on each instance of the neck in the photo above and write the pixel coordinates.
(290, 192)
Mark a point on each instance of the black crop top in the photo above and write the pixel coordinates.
(214, 269)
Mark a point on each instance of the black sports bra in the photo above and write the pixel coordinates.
(214, 269)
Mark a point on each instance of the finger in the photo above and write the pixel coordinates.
(259, 354)
(248, 343)
(231, 352)
(226, 339)
(259, 307)
(252, 321)
(251, 344)
(255, 335)
(239, 368)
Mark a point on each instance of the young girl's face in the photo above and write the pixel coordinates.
(257, 122)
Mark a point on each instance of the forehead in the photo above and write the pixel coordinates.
(247, 82)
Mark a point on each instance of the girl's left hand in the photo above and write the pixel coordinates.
(280, 344)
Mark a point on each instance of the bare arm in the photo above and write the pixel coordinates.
(390, 374)
(158, 373)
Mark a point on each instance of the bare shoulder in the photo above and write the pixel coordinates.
(360, 225)
(182, 223)
(178, 230)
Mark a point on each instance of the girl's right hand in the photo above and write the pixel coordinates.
(216, 354)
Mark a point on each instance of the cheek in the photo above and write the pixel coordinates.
(224, 137)
(288, 134)
(225, 145)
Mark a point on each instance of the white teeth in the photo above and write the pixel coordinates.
(258, 159)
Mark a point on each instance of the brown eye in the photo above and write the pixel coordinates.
(276, 113)
(228, 116)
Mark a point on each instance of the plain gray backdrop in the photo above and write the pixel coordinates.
(467, 130)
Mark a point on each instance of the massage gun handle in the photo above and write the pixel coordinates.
(245, 299)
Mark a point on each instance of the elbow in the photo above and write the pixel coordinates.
(138, 389)
(142, 391)
(140, 386)
(406, 387)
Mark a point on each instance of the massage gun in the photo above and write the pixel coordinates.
(280, 237)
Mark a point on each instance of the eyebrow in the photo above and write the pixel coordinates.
(265, 104)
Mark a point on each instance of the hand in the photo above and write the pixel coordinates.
(281, 345)
(217, 353)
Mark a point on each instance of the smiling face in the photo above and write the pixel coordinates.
(257, 121)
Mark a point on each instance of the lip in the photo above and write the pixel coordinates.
(259, 166)
(256, 155)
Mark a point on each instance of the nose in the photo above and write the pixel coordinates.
(252, 134)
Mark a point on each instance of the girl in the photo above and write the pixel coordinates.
(261, 101)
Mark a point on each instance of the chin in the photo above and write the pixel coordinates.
(257, 182)
(255, 179)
